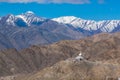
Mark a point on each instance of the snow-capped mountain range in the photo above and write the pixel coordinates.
(29, 19)
(26, 29)
(104, 26)
(22, 20)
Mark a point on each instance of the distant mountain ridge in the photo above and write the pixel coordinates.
(28, 29)
(22, 20)
(90, 25)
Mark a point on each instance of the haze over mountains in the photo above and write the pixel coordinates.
(26, 29)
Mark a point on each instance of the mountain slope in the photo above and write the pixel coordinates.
(97, 48)
(83, 70)
(4, 42)
(28, 29)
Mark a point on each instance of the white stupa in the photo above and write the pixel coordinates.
(79, 57)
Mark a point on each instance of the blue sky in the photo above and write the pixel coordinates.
(86, 9)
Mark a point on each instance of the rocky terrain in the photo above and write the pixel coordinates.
(82, 70)
(55, 61)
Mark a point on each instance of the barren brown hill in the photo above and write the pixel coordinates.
(80, 70)
(103, 47)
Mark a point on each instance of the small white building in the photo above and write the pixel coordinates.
(79, 57)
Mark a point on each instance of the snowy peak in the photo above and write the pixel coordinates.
(29, 12)
(65, 19)
(9, 19)
(25, 19)
(90, 25)
(31, 19)
(76, 22)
